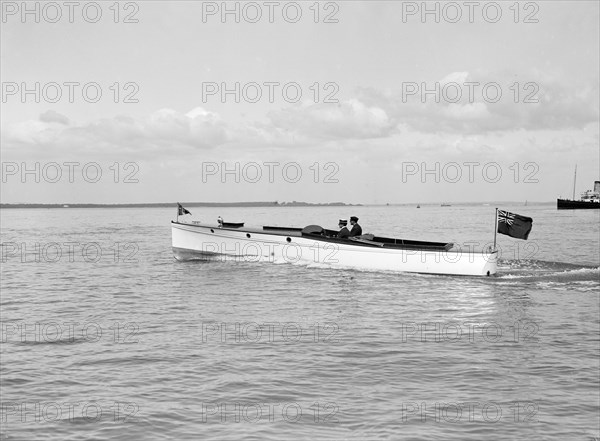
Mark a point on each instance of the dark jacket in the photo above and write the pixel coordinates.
(344, 233)
(356, 230)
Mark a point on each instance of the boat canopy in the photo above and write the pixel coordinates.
(313, 229)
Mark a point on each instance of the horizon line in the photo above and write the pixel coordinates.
(246, 204)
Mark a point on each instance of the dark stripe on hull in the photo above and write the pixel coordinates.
(184, 254)
(566, 204)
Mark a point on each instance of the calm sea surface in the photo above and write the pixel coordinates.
(106, 336)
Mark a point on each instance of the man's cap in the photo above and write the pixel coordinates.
(343, 222)
(354, 218)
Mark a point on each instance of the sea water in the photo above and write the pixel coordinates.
(106, 336)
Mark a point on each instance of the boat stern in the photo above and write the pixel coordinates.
(491, 265)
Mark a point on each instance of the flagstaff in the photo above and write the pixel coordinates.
(495, 228)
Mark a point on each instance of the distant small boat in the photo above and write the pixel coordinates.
(418, 206)
(446, 205)
(590, 199)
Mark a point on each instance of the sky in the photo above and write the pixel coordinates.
(354, 101)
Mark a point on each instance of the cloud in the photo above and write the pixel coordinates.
(384, 120)
(197, 129)
(455, 77)
(486, 102)
(50, 116)
(168, 130)
(350, 119)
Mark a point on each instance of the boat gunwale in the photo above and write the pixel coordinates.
(415, 245)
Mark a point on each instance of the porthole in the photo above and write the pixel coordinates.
(212, 231)
(248, 235)
(289, 239)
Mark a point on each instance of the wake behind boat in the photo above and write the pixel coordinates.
(316, 245)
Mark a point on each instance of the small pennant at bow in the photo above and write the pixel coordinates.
(181, 211)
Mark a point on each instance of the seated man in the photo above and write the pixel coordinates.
(356, 229)
(344, 233)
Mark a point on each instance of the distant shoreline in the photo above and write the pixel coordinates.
(263, 204)
(185, 204)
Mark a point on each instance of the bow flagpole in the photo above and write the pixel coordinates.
(495, 227)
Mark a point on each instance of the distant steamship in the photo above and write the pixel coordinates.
(589, 198)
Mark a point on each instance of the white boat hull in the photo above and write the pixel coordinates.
(207, 242)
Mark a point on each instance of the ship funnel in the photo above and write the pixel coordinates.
(596, 186)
